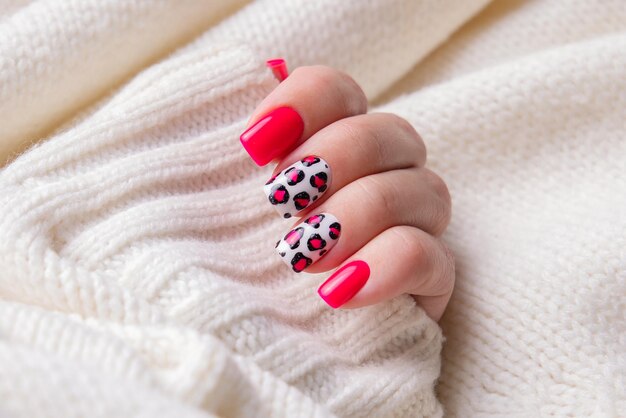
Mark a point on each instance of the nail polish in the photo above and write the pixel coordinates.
(344, 283)
(298, 186)
(272, 135)
(278, 67)
(309, 241)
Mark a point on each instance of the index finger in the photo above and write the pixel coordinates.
(311, 98)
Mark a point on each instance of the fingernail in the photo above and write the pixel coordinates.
(309, 240)
(272, 135)
(343, 284)
(298, 186)
(278, 67)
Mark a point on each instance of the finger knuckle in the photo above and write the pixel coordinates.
(382, 197)
(443, 204)
(417, 247)
(443, 282)
(403, 124)
(449, 254)
(406, 130)
(412, 244)
(315, 78)
(345, 90)
(416, 138)
(356, 100)
(362, 134)
(350, 131)
(432, 258)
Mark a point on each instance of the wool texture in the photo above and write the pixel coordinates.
(138, 275)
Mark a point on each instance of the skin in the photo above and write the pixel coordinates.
(378, 166)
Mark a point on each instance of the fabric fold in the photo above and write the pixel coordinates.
(120, 223)
(58, 57)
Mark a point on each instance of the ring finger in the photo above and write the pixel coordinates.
(361, 210)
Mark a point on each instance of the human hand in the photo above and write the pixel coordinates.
(359, 185)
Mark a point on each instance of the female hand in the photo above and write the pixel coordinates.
(358, 182)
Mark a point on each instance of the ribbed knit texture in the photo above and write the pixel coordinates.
(137, 269)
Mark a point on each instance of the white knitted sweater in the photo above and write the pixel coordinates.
(137, 273)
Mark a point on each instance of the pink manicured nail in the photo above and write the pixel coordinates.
(273, 135)
(298, 186)
(344, 283)
(278, 67)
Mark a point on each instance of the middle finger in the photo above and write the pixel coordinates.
(339, 154)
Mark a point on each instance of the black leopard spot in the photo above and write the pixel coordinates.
(319, 181)
(299, 262)
(287, 215)
(334, 230)
(278, 195)
(301, 200)
(315, 220)
(294, 176)
(310, 160)
(293, 237)
(315, 242)
(323, 252)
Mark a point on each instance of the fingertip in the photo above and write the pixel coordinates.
(344, 283)
(260, 142)
(318, 95)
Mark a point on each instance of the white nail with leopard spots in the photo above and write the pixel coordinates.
(309, 241)
(298, 186)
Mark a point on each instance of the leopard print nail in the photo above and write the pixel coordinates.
(309, 240)
(298, 186)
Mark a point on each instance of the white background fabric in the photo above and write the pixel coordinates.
(137, 274)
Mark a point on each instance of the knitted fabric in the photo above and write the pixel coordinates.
(137, 269)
